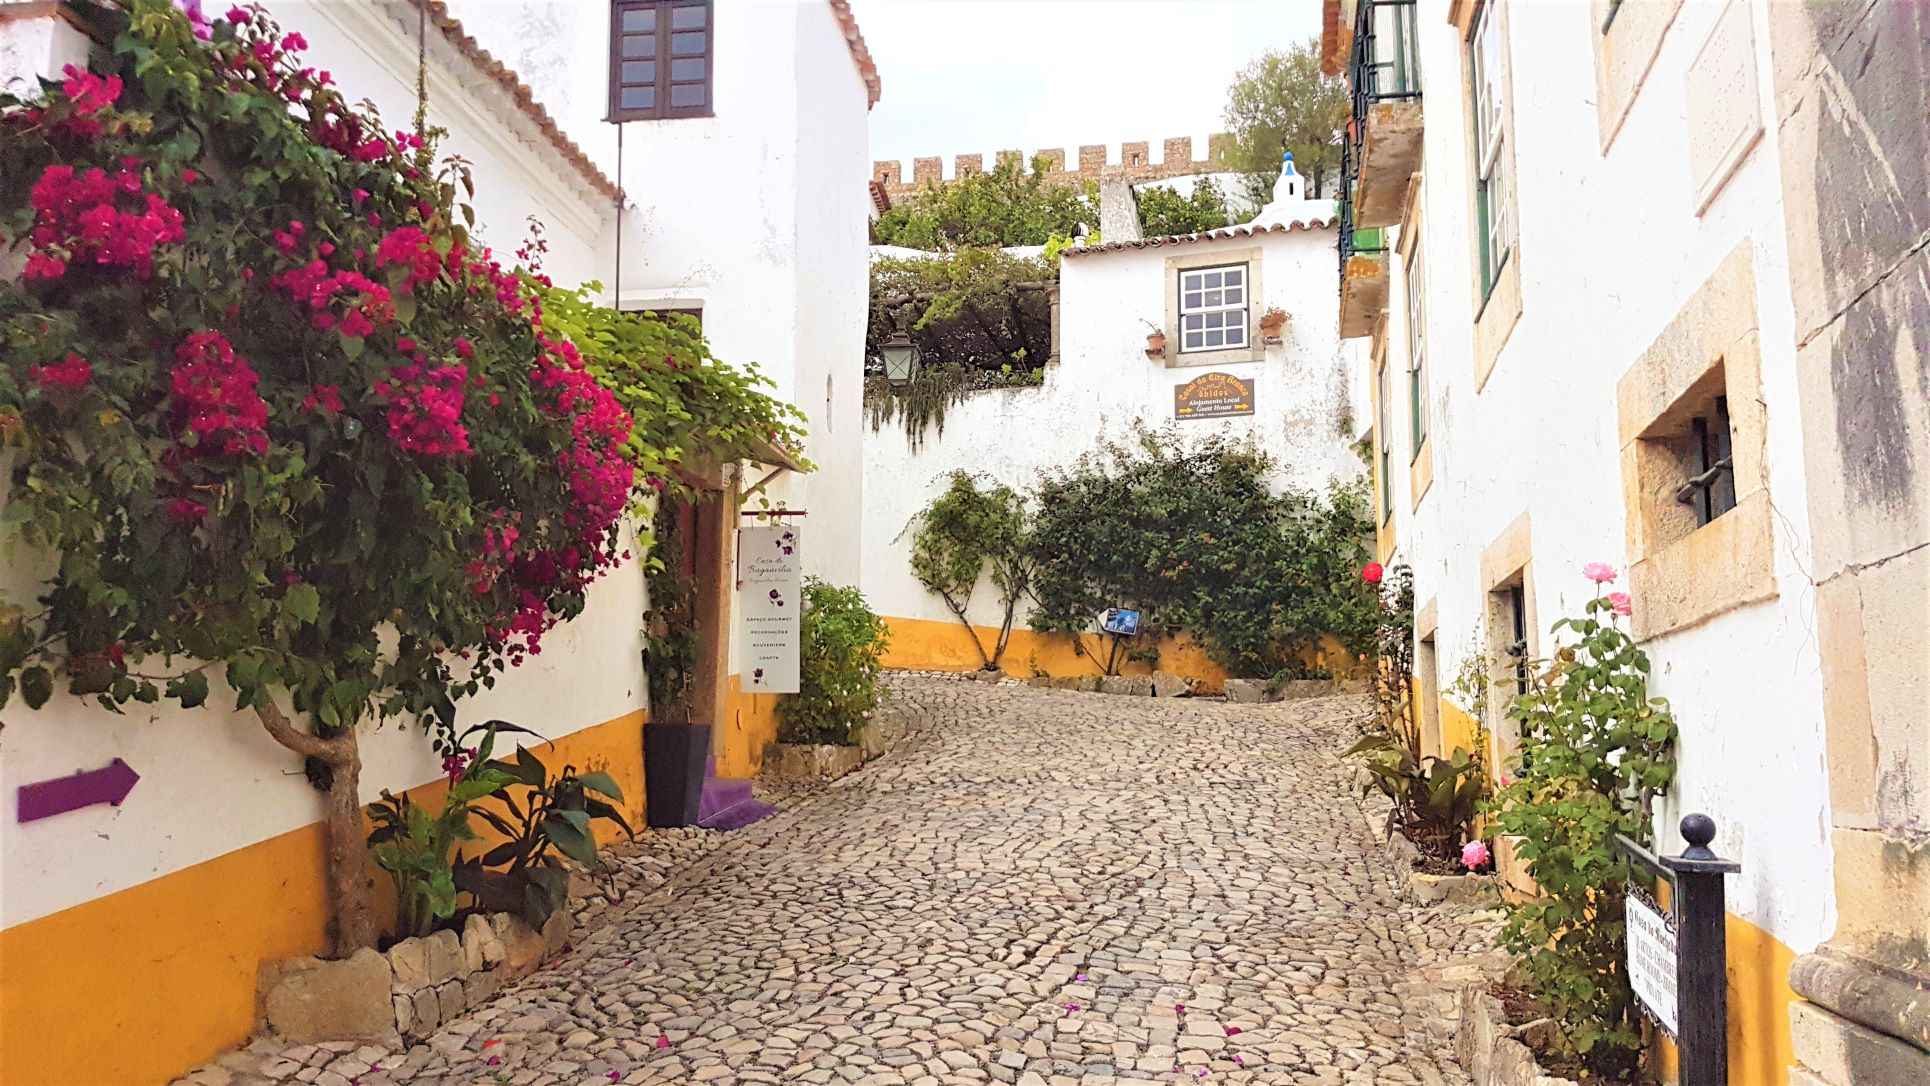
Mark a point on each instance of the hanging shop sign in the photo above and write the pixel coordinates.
(770, 595)
(1213, 396)
(1119, 621)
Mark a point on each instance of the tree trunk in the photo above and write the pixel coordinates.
(350, 875)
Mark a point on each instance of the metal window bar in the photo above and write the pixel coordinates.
(1711, 492)
(1384, 66)
(1518, 613)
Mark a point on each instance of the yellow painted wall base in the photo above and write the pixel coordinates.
(749, 725)
(927, 645)
(1760, 1049)
(140, 985)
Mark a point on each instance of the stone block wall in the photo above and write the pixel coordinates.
(410, 990)
(1134, 162)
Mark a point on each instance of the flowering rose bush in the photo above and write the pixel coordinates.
(268, 402)
(1596, 751)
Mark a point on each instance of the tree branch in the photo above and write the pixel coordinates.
(331, 750)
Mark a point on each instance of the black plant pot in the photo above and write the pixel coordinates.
(673, 772)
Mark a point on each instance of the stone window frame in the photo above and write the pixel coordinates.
(1507, 562)
(1498, 302)
(1681, 573)
(1427, 677)
(1628, 38)
(1254, 351)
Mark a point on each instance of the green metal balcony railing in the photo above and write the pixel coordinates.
(1384, 66)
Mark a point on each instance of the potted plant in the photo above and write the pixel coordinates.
(1272, 322)
(1155, 340)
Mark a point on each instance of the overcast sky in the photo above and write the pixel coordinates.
(965, 76)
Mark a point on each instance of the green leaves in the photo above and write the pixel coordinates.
(191, 689)
(1596, 751)
(841, 642)
(36, 686)
(304, 602)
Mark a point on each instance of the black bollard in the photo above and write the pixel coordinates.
(1701, 980)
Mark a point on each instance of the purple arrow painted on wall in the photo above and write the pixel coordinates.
(109, 784)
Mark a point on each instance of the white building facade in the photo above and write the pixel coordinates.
(1105, 384)
(752, 213)
(1584, 243)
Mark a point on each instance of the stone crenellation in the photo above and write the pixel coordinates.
(1132, 160)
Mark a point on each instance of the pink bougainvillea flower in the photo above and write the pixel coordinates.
(1372, 573)
(1599, 572)
(1072, 1006)
(196, 19)
(1233, 1031)
(1620, 603)
(238, 16)
(663, 1041)
(1474, 855)
(70, 374)
(1179, 1008)
(616, 1076)
(1081, 978)
(494, 1061)
(293, 43)
(183, 511)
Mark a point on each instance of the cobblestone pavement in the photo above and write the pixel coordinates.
(1040, 887)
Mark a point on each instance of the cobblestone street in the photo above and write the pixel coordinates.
(1039, 887)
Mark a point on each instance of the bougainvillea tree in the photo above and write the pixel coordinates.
(276, 414)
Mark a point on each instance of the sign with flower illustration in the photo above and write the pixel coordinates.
(1212, 396)
(770, 592)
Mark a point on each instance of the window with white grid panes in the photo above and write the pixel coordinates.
(1213, 308)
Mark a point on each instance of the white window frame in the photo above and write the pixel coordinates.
(1488, 75)
(1208, 257)
(1415, 286)
(1385, 426)
(1201, 309)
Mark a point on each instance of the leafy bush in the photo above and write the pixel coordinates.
(1164, 211)
(1009, 205)
(413, 846)
(689, 406)
(841, 643)
(1595, 753)
(1194, 537)
(275, 411)
(553, 820)
(980, 318)
(959, 534)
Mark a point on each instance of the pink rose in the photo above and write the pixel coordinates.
(1620, 603)
(1599, 572)
(1474, 855)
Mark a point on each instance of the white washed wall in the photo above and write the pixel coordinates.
(1610, 249)
(212, 781)
(1103, 384)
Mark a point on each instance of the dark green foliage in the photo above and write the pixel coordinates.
(1596, 751)
(1282, 102)
(959, 534)
(1163, 211)
(1009, 205)
(413, 846)
(1194, 536)
(981, 319)
(670, 625)
(549, 825)
(841, 643)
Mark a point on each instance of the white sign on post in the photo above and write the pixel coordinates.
(1651, 960)
(770, 593)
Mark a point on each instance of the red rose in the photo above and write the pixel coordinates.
(1371, 573)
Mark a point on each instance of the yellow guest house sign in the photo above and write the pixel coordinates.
(1212, 396)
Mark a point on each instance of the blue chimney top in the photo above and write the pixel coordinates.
(1286, 163)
